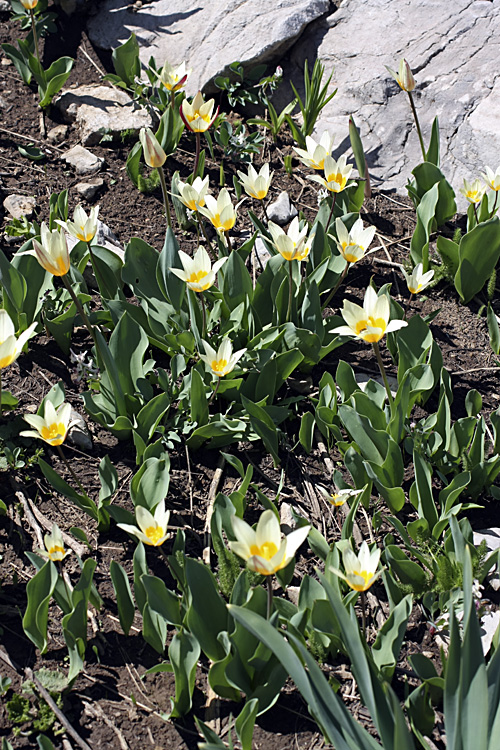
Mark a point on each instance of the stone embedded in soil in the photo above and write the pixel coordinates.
(88, 190)
(101, 111)
(82, 160)
(262, 253)
(57, 134)
(208, 35)
(282, 210)
(19, 205)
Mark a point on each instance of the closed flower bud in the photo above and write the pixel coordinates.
(154, 155)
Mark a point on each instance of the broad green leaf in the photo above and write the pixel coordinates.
(385, 650)
(162, 600)
(207, 615)
(126, 61)
(479, 252)
(237, 285)
(123, 593)
(39, 591)
(199, 401)
(183, 652)
(149, 485)
(84, 502)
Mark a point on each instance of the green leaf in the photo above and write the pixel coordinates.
(479, 252)
(385, 650)
(245, 723)
(183, 652)
(32, 152)
(74, 624)
(207, 615)
(39, 592)
(237, 285)
(493, 330)
(306, 432)
(126, 61)
(199, 401)
(149, 485)
(13, 282)
(161, 600)
(123, 593)
(172, 287)
(432, 155)
(419, 246)
(56, 76)
(84, 502)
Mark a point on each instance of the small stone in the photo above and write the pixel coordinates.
(19, 205)
(57, 134)
(88, 190)
(293, 594)
(5, 62)
(490, 536)
(489, 625)
(5, 6)
(101, 111)
(282, 211)
(262, 254)
(83, 160)
(286, 516)
(79, 434)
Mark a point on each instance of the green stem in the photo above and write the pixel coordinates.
(494, 205)
(363, 612)
(269, 596)
(0, 393)
(335, 288)
(68, 590)
(290, 292)
(197, 156)
(214, 393)
(382, 370)
(415, 117)
(203, 229)
(172, 100)
(229, 245)
(204, 312)
(408, 305)
(35, 38)
(79, 307)
(334, 200)
(265, 212)
(68, 466)
(165, 196)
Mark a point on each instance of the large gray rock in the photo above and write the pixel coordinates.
(451, 48)
(207, 34)
(101, 111)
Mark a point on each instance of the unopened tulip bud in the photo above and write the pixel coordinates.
(29, 4)
(404, 76)
(154, 155)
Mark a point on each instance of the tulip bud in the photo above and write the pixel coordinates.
(154, 155)
(404, 76)
(29, 4)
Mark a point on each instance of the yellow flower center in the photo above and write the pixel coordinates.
(362, 325)
(6, 361)
(337, 499)
(54, 433)
(367, 578)
(474, 196)
(56, 552)
(154, 534)
(196, 277)
(197, 115)
(267, 550)
(337, 179)
(61, 265)
(218, 366)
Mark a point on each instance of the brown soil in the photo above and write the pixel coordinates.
(129, 708)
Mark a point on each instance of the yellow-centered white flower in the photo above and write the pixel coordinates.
(360, 570)
(29, 4)
(263, 549)
(220, 212)
(354, 244)
(82, 227)
(198, 114)
(370, 322)
(10, 346)
(417, 281)
(339, 497)
(294, 244)
(193, 196)
(336, 174)
(473, 191)
(256, 184)
(54, 545)
(154, 155)
(492, 179)
(53, 426)
(404, 76)
(222, 361)
(173, 77)
(52, 253)
(152, 527)
(198, 272)
(315, 153)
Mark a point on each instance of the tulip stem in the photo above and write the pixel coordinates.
(376, 349)
(494, 205)
(265, 212)
(269, 596)
(335, 288)
(165, 196)
(0, 393)
(415, 117)
(204, 313)
(66, 586)
(363, 613)
(203, 229)
(79, 307)
(229, 245)
(334, 200)
(290, 292)
(214, 392)
(35, 38)
(197, 155)
(172, 99)
(68, 466)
